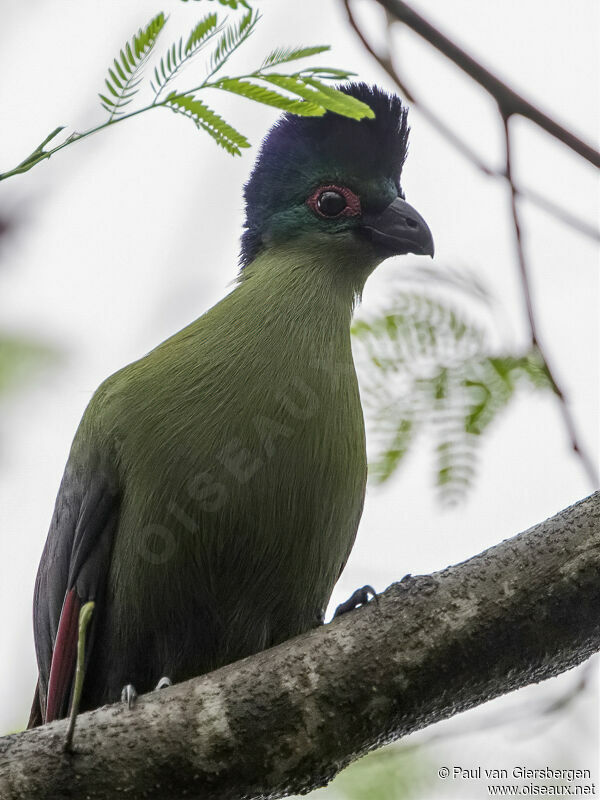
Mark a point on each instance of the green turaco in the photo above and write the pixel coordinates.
(214, 487)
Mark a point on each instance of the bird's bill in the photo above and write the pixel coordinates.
(400, 229)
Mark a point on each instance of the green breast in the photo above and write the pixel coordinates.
(242, 457)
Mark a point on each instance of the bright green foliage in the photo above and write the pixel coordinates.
(393, 773)
(325, 96)
(122, 82)
(18, 357)
(232, 38)
(268, 97)
(212, 123)
(315, 97)
(428, 365)
(199, 33)
(283, 55)
(231, 3)
(177, 55)
(338, 101)
(304, 91)
(493, 382)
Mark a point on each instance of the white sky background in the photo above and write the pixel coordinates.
(129, 235)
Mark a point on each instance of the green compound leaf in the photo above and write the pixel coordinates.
(234, 4)
(208, 120)
(318, 93)
(231, 39)
(123, 81)
(268, 97)
(426, 365)
(200, 32)
(179, 54)
(492, 382)
(282, 55)
(144, 40)
(341, 103)
(19, 358)
(329, 73)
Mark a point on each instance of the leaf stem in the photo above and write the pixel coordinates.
(39, 154)
(218, 66)
(187, 58)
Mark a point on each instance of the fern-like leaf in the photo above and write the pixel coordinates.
(178, 55)
(316, 92)
(261, 94)
(329, 73)
(207, 119)
(340, 102)
(282, 55)
(426, 364)
(234, 4)
(232, 38)
(200, 32)
(123, 81)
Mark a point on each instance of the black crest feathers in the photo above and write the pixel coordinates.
(299, 151)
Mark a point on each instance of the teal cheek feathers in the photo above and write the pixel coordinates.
(303, 219)
(331, 148)
(300, 222)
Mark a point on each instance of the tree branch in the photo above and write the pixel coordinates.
(288, 719)
(569, 422)
(385, 61)
(510, 102)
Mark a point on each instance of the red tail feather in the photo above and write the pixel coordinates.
(63, 658)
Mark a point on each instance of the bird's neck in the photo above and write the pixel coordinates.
(289, 316)
(302, 295)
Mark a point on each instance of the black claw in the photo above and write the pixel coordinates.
(129, 695)
(358, 598)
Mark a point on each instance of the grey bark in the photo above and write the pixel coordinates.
(288, 719)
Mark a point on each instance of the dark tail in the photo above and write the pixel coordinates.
(35, 717)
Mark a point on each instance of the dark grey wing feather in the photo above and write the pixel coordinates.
(76, 554)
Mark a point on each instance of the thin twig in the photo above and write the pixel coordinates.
(398, 10)
(552, 208)
(509, 101)
(558, 212)
(523, 271)
(576, 445)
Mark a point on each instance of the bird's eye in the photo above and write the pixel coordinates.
(331, 203)
(334, 201)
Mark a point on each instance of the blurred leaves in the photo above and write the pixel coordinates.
(19, 358)
(426, 364)
(389, 774)
(231, 3)
(393, 773)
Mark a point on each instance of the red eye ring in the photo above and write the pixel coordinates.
(352, 208)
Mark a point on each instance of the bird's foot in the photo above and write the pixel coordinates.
(358, 598)
(129, 695)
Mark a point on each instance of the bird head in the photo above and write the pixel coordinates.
(333, 183)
